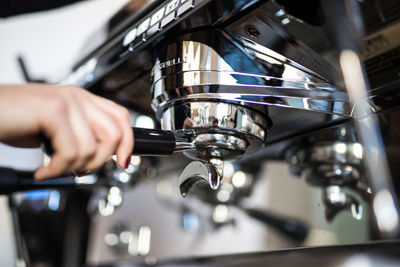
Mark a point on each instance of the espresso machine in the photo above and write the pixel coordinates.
(228, 85)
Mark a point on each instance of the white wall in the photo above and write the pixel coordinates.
(50, 43)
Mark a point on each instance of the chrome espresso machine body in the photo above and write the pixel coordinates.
(314, 84)
(230, 72)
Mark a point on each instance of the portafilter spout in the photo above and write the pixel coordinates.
(199, 171)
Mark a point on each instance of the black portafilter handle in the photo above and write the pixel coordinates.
(15, 181)
(147, 142)
(154, 142)
(291, 228)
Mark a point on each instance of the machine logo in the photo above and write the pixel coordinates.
(170, 63)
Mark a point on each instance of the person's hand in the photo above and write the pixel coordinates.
(84, 129)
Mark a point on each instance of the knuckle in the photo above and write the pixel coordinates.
(70, 92)
(58, 105)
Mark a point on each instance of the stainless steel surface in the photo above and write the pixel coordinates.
(188, 222)
(199, 171)
(235, 184)
(198, 71)
(370, 254)
(336, 200)
(334, 166)
(182, 145)
(338, 152)
(330, 163)
(217, 130)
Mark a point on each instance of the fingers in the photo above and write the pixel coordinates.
(85, 130)
(108, 136)
(121, 117)
(57, 127)
(82, 131)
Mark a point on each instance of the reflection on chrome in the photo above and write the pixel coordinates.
(220, 130)
(336, 200)
(230, 75)
(337, 167)
(199, 171)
